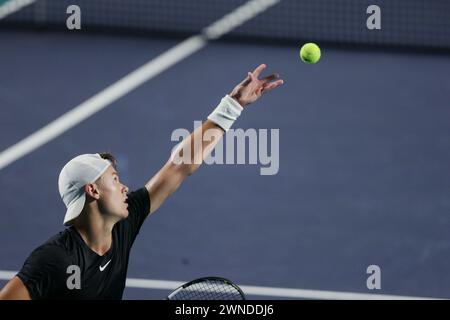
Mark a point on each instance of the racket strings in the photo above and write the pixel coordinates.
(208, 290)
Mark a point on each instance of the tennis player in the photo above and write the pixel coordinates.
(89, 259)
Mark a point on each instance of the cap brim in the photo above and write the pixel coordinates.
(74, 209)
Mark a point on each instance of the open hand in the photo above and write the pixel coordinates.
(251, 88)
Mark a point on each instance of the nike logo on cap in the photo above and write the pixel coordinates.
(103, 268)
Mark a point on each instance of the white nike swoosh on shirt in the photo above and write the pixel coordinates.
(103, 268)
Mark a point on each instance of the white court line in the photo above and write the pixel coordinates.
(276, 292)
(134, 79)
(258, 291)
(6, 275)
(12, 6)
(101, 100)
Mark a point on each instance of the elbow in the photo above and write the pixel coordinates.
(181, 168)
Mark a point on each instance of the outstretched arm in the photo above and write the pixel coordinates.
(191, 152)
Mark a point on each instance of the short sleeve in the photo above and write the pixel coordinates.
(138, 210)
(43, 272)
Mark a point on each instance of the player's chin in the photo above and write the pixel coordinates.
(125, 212)
(122, 213)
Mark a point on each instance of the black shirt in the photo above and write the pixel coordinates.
(50, 272)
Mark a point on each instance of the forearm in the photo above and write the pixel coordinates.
(195, 148)
(190, 153)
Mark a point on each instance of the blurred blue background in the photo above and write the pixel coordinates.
(364, 139)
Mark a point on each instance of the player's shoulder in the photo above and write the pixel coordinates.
(58, 248)
(139, 199)
(141, 193)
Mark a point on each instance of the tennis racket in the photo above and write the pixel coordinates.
(208, 288)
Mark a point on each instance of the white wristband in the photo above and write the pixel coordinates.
(226, 113)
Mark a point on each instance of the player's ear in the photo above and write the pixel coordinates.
(92, 191)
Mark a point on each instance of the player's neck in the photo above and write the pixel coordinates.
(96, 232)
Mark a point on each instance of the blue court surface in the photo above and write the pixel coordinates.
(364, 161)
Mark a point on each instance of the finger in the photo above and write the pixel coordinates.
(277, 82)
(247, 80)
(258, 70)
(252, 76)
(272, 77)
(260, 91)
(270, 86)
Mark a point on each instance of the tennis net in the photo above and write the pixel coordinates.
(415, 23)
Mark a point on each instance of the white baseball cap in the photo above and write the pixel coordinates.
(78, 172)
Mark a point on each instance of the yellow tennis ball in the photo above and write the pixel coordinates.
(310, 53)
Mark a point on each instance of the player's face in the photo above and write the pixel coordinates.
(113, 195)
